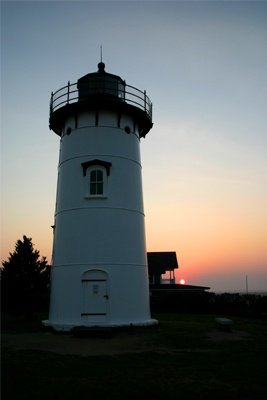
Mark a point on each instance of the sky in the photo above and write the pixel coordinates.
(204, 163)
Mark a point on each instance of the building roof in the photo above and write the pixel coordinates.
(160, 262)
(178, 287)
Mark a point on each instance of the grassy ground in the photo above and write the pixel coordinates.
(185, 357)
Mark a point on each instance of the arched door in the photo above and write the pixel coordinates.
(94, 296)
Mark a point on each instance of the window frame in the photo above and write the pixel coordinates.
(96, 165)
(96, 181)
(89, 182)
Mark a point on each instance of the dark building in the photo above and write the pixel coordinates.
(165, 294)
(159, 263)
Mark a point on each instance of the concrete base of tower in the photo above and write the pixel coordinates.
(67, 327)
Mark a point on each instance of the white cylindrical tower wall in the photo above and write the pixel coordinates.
(99, 272)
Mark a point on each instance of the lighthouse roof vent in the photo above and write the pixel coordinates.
(101, 67)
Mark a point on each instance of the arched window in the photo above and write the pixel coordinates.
(96, 173)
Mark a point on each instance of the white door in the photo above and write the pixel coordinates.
(94, 296)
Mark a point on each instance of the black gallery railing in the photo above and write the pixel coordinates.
(74, 92)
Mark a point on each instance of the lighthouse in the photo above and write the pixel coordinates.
(99, 275)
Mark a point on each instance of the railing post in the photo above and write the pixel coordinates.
(51, 103)
(145, 98)
(68, 95)
(50, 109)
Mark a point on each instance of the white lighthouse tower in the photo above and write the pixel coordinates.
(99, 267)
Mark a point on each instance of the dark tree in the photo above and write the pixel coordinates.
(25, 279)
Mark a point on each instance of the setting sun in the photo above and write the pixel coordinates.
(182, 281)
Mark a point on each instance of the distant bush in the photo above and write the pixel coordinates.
(206, 302)
(239, 304)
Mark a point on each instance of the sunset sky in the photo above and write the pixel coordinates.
(204, 66)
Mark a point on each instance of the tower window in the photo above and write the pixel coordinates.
(96, 173)
(96, 182)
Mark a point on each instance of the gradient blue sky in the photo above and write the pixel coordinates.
(204, 66)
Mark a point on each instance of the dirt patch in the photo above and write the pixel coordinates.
(89, 346)
(110, 344)
(73, 345)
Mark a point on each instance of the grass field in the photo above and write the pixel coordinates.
(184, 357)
